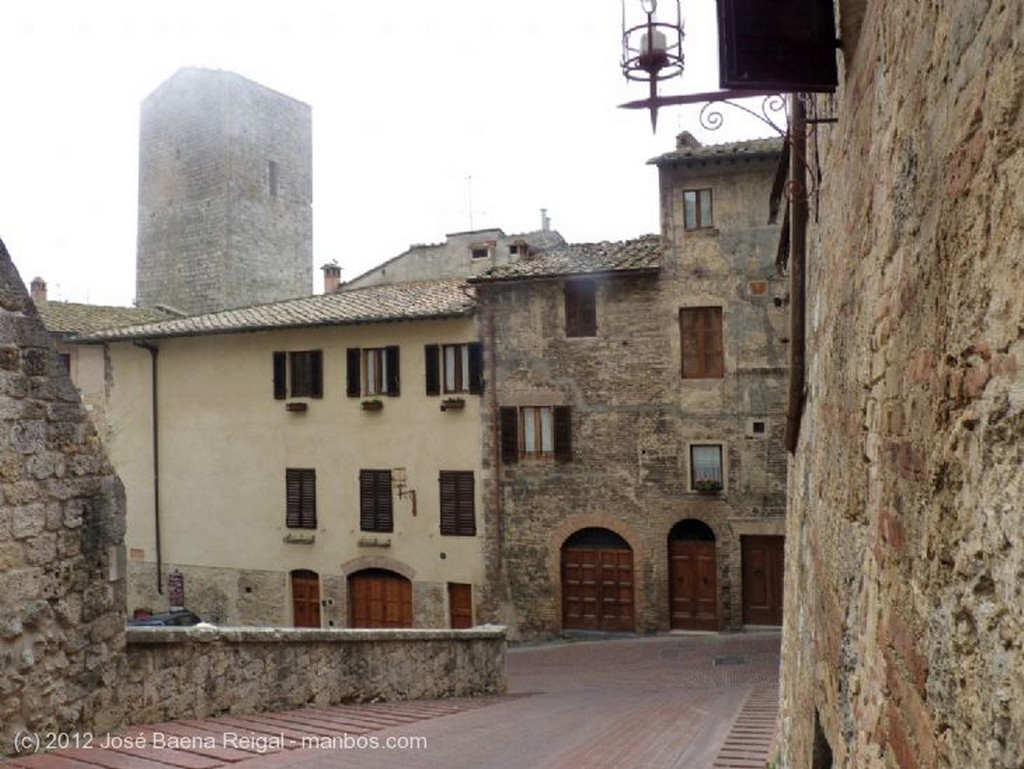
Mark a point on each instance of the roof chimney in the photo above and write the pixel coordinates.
(38, 290)
(332, 277)
(545, 222)
(687, 141)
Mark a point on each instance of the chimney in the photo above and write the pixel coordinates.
(686, 141)
(545, 222)
(38, 290)
(332, 277)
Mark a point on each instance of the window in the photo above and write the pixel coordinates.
(580, 308)
(697, 209)
(300, 498)
(458, 508)
(298, 374)
(701, 332)
(454, 368)
(372, 371)
(272, 177)
(536, 431)
(375, 510)
(706, 467)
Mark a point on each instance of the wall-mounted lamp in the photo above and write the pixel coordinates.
(652, 50)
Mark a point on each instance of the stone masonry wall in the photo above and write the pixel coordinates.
(61, 529)
(905, 568)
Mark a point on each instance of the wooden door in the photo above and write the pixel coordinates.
(597, 589)
(460, 605)
(305, 599)
(380, 598)
(763, 562)
(694, 585)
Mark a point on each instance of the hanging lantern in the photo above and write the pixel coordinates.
(652, 49)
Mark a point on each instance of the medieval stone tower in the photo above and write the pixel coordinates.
(225, 194)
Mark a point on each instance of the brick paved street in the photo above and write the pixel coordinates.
(686, 701)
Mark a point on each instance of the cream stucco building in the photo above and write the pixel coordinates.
(289, 460)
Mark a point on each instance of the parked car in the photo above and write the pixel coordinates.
(176, 618)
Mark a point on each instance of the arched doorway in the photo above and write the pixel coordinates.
(693, 586)
(305, 598)
(597, 582)
(379, 598)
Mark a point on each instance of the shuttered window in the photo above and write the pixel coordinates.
(454, 368)
(701, 341)
(458, 508)
(580, 308)
(375, 508)
(300, 498)
(298, 374)
(372, 371)
(536, 432)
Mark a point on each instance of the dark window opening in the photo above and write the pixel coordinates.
(298, 374)
(580, 309)
(300, 498)
(375, 505)
(697, 209)
(458, 506)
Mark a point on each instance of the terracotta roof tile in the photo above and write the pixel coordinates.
(730, 151)
(374, 304)
(639, 254)
(75, 318)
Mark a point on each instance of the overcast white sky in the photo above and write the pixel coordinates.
(409, 99)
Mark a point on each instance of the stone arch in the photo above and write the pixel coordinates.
(693, 576)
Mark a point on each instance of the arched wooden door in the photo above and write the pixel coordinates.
(305, 598)
(379, 598)
(597, 582)
(693, 587)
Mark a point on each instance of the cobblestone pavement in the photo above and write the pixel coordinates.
(686, 701)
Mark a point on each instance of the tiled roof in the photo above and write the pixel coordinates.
(752, 149)
(75, 318)
(639, 254)
(374, 304)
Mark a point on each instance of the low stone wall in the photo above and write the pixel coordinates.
(206, 671)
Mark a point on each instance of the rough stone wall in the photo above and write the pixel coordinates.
(905, 612)
(61, 531)
(634, 417)
(201, 672)
(215, 230)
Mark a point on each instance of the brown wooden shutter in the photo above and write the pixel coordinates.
(562, 433)
(458, 504)
(476, 368)
(432, 362)
(309, 499)
(316, 372)
(375, 507)
(300, 498)
(391, 356)
(509, 419)
(714, 363)
(280, 375)
(353, 372)
(449, 502)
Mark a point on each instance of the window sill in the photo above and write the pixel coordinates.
(299, 538)
(372, 405)
(297, 407)
(703, 232)
(374, 542)
(453, 404)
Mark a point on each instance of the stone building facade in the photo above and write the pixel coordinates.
(904, 612)
(62, 585)
(633, 430)
(225, 194)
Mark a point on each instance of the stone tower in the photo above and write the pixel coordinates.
(225, 194)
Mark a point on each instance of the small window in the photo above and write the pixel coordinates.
(536, 432)
(458, 507)
(706, 467)
(65, 361)
(375, 507)
(298, 374)
(372, 371)
(300, 498)
(272, 177)
(454, 368)
(580, 308)
(480, 252)
(701, 341)
(697, 209)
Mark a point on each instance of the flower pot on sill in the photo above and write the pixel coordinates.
(453, 404)
(707, 488)
(373, 405)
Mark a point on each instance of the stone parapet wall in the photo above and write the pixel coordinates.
(206, 671)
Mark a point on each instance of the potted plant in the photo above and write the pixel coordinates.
(373, 404)
(453, 404)
(707, 485)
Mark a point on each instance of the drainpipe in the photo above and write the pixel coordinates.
(797, 275)
(499, 512)
(153, 350)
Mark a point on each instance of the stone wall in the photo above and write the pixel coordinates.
(905, 599)
(61, 528)
(204, 671)
(225, 194)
